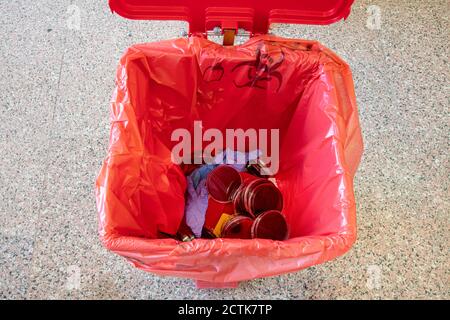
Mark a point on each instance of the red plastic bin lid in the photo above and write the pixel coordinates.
(252, 15)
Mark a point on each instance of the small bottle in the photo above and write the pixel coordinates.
(259, 168)
(185, 233)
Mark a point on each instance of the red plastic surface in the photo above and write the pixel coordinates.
(298, 86)
(254, 16)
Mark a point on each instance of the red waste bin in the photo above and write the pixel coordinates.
(298, 86)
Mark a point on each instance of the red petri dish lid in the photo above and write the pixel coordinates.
(265, 197)
(270, 225)
(221, 183)
(248, 192)
(247, 177)
(237, 199)
(238, 227)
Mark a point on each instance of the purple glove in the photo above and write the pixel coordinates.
(196, 205)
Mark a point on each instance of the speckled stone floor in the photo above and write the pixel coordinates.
(57, 61)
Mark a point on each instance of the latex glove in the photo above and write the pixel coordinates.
(196, 206)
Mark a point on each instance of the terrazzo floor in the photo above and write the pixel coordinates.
(58, 60)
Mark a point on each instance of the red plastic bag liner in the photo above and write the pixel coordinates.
(299, 87)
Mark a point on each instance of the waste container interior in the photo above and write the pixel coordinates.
(288, 85)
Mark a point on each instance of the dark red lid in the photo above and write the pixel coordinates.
(270, 225)
(222, 182)
(251, 15)
(265, 197)
(238, 228)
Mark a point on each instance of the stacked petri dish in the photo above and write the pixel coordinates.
(257, 202)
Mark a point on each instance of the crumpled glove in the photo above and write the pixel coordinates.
(196, 206)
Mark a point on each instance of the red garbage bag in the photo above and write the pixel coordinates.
(298, 86)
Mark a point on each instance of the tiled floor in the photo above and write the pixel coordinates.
(58, 68)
